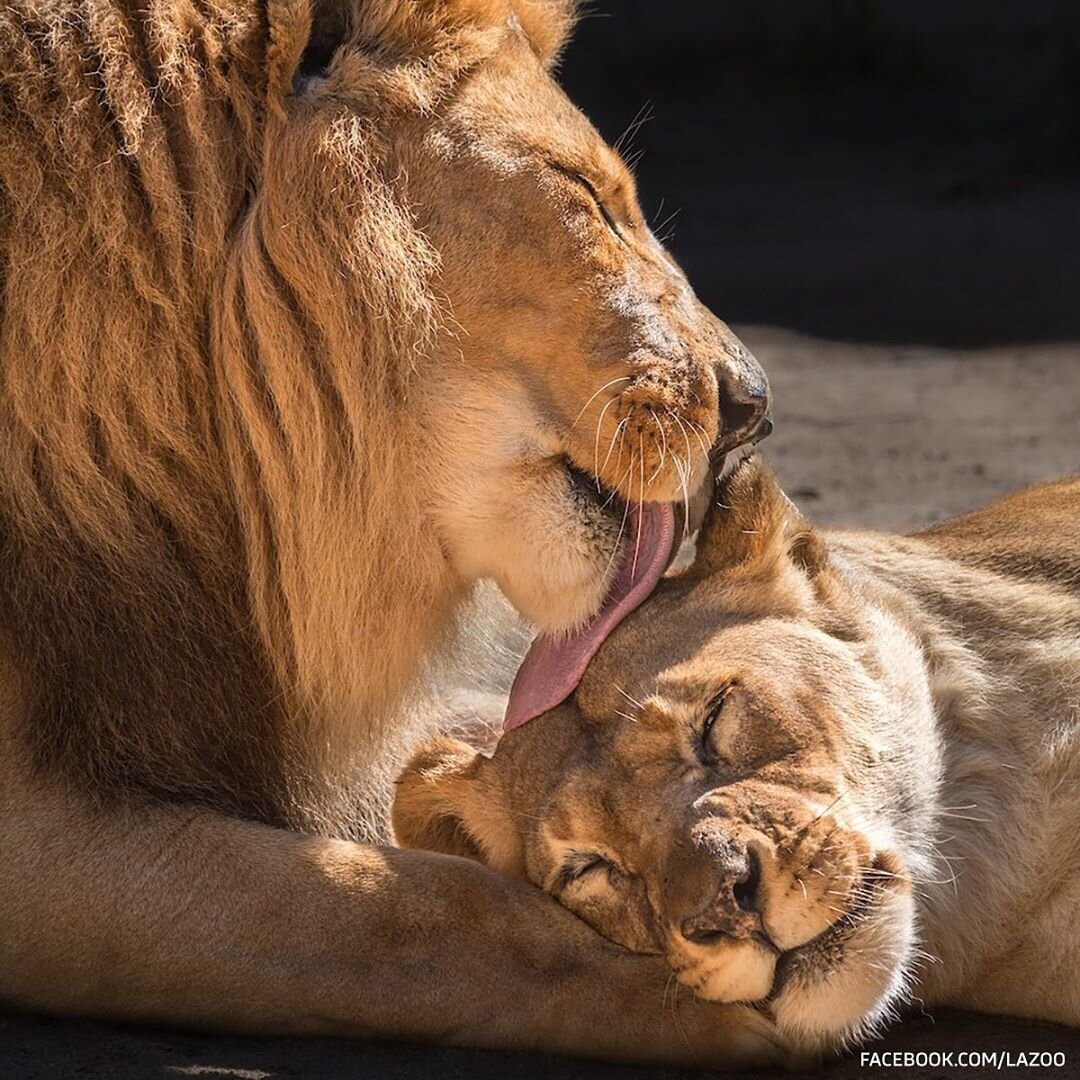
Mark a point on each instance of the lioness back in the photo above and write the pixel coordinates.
(1031, 534)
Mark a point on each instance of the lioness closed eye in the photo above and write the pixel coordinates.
(816, 773)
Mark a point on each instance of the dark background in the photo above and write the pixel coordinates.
(862, 170)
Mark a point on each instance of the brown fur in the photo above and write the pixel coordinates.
(302, 306)
(202, 506)
(886, 799)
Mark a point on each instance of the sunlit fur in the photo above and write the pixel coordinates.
(295, 348)
(895, 766)
(306, 308)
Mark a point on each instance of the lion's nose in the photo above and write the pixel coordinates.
(733, 910)
(744, 399)
(765, 429)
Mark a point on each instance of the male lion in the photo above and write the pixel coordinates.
(820, 774)
(311, 315)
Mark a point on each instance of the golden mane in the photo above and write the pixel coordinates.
(200, 528)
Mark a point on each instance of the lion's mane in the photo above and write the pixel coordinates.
(212, 317)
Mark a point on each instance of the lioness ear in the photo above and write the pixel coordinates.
(753, 529)
(447, 801)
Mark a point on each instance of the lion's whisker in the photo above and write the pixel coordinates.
(620, 427)
(584, 408)
(685, 478)
(699, 433)
(618, 539)
(640, 519)
(641, 118)
(596, 442)
(663, 446)
(614, 492)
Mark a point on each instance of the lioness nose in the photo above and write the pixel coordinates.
(744, 399)
(733, 910)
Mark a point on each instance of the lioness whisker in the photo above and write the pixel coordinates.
(633, 700)
(667, 987)
(828, 809)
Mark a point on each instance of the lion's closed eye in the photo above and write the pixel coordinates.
(593, 192)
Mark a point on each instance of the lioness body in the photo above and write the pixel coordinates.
(823, 772)
(313, 313)
(993, 597)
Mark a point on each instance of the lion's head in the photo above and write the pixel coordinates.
(721, 789)
(314, 312)
(570, 367)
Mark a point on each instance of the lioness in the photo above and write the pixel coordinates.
(311, 315)
(823, 775)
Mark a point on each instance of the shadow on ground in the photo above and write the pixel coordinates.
(60, 1050)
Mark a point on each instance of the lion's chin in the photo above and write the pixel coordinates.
(556, 606)
(552, 536)
(563, 546)
(556, 663)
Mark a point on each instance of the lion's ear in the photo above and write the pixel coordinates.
(447, 801)
(753, 529)
(547, 25)
(331, 24)
(304, 36)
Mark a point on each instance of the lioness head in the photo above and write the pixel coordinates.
(721, 789)
(575, 369)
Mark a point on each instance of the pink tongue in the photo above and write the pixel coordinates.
(554, 665)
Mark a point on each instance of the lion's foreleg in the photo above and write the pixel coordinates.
(177, 915)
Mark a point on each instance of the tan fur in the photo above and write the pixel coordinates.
(886, 804)
(307, 308)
